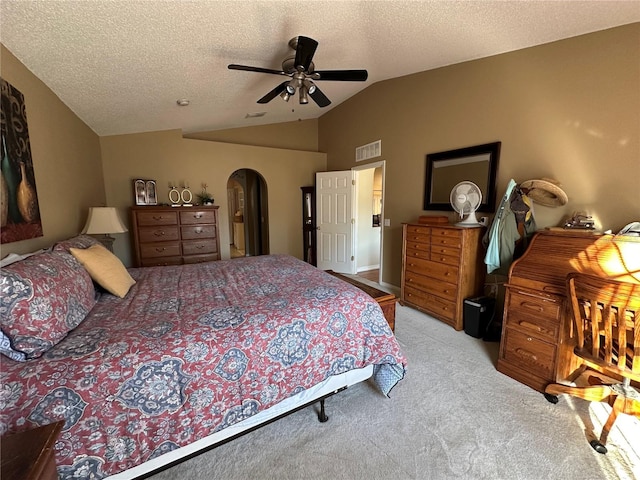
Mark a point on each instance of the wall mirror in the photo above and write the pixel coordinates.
(477, 164)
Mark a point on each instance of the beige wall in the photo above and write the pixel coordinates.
(568, 110)
(66, 159)
(166, 156)
(300, 135)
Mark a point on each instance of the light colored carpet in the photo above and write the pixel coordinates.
(454, 416)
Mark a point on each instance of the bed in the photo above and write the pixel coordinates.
(191, 356)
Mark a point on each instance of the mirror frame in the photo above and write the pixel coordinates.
(488, 198)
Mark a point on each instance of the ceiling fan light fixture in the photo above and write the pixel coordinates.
(304, 99)
(291, 87)
(285, 96)
(310, 86)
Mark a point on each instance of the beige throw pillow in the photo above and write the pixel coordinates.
(105, 268)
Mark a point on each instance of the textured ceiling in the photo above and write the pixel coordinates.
(121, 65)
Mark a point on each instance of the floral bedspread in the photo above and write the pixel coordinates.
(190, 350)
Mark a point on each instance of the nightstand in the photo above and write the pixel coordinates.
(29, 455)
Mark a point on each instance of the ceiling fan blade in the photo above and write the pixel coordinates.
(320, 98)
(246, 68)
(304, 52)
(273, 93)
(341, 75)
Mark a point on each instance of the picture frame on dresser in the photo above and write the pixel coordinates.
(145, 192)
(444, 170)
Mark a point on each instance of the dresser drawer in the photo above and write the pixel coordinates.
(158, 234)
(446, 259)
(441, 249)
(196, 247)
(210, 257)
(155, 250)
(443, 309)
(529, 353)
(413, 252)
(430, 285)
(157, 218)
(439, 271)
(198, 231)
(161, 261)
(533, 314)
(446, 236)
(197, 216)
(418, 230)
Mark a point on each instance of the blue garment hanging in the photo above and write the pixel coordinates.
(512, 225)
(492, 257)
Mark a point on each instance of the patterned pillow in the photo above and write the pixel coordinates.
(5, 349)
(81, 241)
(42, 298)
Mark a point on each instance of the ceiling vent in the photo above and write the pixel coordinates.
(370, 150)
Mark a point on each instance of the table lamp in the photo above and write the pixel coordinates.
(101, 222)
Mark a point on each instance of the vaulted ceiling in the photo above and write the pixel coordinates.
(121, 66)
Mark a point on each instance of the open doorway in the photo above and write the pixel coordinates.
(247, 201)
(368, 209)
(349, 220)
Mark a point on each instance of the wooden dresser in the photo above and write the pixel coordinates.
(441, 266)
(174, 235)
(536, 347)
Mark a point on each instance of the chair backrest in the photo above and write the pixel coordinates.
(606, 316)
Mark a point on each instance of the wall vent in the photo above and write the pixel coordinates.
(370, 150)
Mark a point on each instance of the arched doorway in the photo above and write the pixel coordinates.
(248, 213)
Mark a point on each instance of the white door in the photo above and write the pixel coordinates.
(335, 221)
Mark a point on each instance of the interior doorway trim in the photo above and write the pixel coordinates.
(371, 166)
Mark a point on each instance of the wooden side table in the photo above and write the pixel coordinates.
(387, 301)
(29, 455)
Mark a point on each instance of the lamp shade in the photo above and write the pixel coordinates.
(103, 220)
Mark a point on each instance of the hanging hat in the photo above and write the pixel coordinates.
(545, 191)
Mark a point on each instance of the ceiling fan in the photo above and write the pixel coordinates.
(303, 74)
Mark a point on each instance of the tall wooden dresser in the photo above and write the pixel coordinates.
(536, 346)
(441, 266)
(174, 235)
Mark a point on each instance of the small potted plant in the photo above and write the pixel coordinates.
(205, 198)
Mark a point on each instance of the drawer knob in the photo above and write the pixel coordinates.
(160, 249)
(157, 217)
(199, 247)
(159, 233)
(197, 215)
(198, 230)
